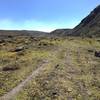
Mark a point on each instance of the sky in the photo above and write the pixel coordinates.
(43, 15)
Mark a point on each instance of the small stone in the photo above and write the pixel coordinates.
(89, 92)
(17, 49)
(70, 89)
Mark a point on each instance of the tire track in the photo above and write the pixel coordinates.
(10, 95)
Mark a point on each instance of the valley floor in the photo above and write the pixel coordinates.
(49, 68)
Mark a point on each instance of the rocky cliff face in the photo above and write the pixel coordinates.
(89, 26)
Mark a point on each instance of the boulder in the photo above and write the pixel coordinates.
(2, 41)
(17, 49)
(97, 54)
(90, 50)
(10, 68)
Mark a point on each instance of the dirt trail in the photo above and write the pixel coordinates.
(70, 68)
(10, 95)
(73, 69)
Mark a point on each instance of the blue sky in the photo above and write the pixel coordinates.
(43, 15)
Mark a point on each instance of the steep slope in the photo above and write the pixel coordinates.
(89, 26)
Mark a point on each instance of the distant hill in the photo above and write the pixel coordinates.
(60, 32)
(6, 33)
(89, 26)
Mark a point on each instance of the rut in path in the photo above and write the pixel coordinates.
(10, 95)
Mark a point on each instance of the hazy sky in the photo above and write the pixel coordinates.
(43, 15)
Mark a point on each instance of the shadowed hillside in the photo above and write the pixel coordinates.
(89, 26)
(61, 32)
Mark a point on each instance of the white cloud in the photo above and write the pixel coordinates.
(33, 25)
(26, 25)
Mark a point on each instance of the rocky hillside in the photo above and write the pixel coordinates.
(89, 26)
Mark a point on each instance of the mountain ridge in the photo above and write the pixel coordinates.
(88, 27)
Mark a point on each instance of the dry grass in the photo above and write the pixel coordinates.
(72, 73)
